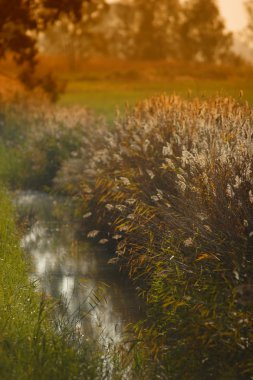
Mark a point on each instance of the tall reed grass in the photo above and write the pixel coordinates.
(36, 138)
(172, 189)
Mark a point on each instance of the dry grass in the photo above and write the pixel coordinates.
(172, 188)
(10, 87)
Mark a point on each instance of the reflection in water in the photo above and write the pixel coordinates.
(96, 296)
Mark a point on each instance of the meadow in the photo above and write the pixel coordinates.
(108, 97)
(109, 86)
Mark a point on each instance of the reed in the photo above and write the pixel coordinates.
(36, 138)
(172, 188)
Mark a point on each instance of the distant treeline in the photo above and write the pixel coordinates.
(140, 29)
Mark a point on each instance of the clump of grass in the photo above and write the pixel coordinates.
(11, 165)
(30, 346)
(172, 187)
(36, 139)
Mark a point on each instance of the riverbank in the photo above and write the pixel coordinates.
(97, 298)
(169, 191)
(35, 141)
(30, 345)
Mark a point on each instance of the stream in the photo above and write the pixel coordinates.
(96, 296)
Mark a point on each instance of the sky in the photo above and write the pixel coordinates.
(234, 13)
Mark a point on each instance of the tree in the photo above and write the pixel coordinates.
(16, 18)
(79, 38)
(156, 35)
(137, 29)
(202, 32)
(120, 25)
(249, 28)
(20, 23)
(21, 20)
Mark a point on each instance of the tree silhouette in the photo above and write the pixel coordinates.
(78, 38)
(21, 20)
(156, 35)
(249, 28)
(202, 32)
(142, 29)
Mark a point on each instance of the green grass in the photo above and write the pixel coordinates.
(106, 96)
(30, 347)
(11, 165)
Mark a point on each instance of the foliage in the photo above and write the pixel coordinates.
(21, 20)
(78, 38)
(38, 138)
(202, 32)
(20, 25)
(11, 166)
(156, 34)
(140, 29)
(30, 345)
(173, 190)
(170, 188)
(249, 28)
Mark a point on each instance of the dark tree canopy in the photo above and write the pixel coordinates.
(21, 20)
(16, 18)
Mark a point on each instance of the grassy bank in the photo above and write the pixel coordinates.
(170, 189)
(30, 346)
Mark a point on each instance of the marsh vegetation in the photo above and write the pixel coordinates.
(169, 191)
(126, 224)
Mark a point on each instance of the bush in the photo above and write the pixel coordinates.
(42, 137)
(172, 187)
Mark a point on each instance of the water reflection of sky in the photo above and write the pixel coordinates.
(95, 295)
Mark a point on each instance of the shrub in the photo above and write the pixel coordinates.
(42, 137)
(172, 187)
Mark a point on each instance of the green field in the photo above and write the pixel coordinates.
(105, 96)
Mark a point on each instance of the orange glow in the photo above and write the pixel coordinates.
(234, 13)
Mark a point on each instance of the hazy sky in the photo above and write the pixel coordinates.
(234, 13)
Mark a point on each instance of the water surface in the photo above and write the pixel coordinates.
(95, 295)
